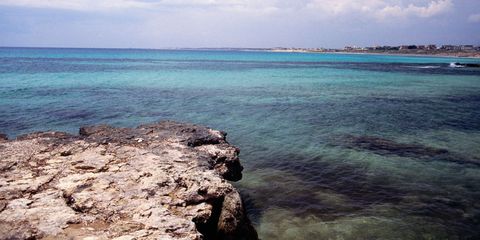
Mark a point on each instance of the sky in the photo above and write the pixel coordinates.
(237, 23)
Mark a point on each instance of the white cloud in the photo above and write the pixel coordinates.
(383, 8)
(344, 6)
(432, 9)
(265, 6)
(474, 18)
(79, 5)
(372, 8)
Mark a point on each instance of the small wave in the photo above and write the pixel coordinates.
(429, 67)
(456, 65)
(424, 67)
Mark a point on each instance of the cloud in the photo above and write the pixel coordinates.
(92, 5)
(432, 9)
(241, 6)
(79, 5)
(373, 8)
(344, 6)
(382, 9)
(236, 23)
(474, 18)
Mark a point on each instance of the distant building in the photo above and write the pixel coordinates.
(451, 47)
(428, 48)
(392, 48)
(319, 50)
(408, 47)
(467, 47)
(447, 47)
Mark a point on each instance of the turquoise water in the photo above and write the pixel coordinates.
(334, 146)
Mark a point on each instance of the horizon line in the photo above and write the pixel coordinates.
(220, 48)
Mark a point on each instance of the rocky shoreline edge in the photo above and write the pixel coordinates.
(165, 180)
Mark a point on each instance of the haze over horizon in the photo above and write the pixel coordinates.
(237, 23)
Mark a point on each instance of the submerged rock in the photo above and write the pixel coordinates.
(158, 181)
(384, 146)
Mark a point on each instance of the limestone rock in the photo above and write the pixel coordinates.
(165, 180)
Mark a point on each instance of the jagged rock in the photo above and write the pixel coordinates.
(3, 137)
(232, 223)
(158, 181)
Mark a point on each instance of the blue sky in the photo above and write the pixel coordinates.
(237, 23)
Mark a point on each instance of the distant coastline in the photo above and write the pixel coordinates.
(461, 51)
(474, 52)
(439, 54)
(455, 51)
(450, 51)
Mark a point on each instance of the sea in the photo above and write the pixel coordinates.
(335, 146)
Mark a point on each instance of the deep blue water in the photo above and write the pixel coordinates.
(334, 146)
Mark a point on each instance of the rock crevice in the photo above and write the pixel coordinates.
(165, 180)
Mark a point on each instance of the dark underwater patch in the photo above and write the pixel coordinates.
(360, 190)
(412, 113)
(387, 147)
(454, 213)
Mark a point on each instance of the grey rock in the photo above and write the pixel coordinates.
(232, 222)
(165, 180)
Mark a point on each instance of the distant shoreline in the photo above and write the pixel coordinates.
(417, 53)
(453, 54)
(477, 56)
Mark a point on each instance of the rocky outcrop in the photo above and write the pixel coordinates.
(158, 181)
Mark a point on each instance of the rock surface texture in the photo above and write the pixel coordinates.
(158, 181)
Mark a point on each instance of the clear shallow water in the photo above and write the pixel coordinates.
(334, 146)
